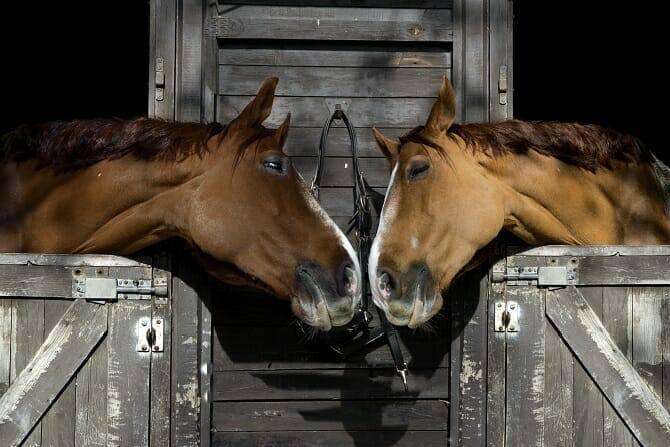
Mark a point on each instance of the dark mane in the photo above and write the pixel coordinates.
(68, 146)
(585, 146)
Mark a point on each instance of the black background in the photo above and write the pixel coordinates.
(587, 61)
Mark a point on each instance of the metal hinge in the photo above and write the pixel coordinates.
(150, 335)
(541, 276)
(506, 316)
(160, 78)
(502, 85)
(105, 289)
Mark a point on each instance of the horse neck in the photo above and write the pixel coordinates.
(117, 207)
(551, 202)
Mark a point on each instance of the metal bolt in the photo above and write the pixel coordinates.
(500, 328)
(158, 321)
(499, 305)
(78, 289)
(512, 306)
(144, 348)
(511, 328)
(144, 322)
(156, 348)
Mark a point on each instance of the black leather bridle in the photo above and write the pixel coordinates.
(359, 334)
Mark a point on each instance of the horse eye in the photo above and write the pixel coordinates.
(417, 169)
(276, 165)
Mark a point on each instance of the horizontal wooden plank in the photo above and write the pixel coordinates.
(304, 141)
(324, 23)
(593, 250)
(624, 270)
(355, 58)
(397, 438)
(49, 281)
(313, 111)
(330, 384)
(329, 415)
(339, 201)
(436, 4)
(338, 171)
(333, 81)
(287, 347)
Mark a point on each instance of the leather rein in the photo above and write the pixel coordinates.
(359, 334)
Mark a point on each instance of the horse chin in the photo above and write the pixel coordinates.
(425, 308)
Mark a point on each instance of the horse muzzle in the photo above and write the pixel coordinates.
(326, 300)
(408, 299)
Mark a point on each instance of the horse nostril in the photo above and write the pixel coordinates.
(347, 280)
(387, 285)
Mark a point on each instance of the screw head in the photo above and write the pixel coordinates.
(144, 322)
(499, 305)
(500, 328)
(144, 348)
(78, 289)
(158, 321)
(512, 306)
(155, 348)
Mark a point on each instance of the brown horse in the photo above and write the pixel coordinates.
(453, 188)
(114, 186)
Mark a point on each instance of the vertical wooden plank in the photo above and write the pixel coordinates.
(458, 62)
(558, 389)
(159, 435)
(185, 350)
(163, 44)
(473, 364)
(588, 401)
(128, 369)
(495, 374)
(665, 316)
(525, 364)
(210, 63)
(647, 335)
(475, 61)
(27, 337)
(188, 101)
(455, 300)
(500, 56)
(91, 390)
(58, 424)
(206, 368)
(5, 343)
(617, 319)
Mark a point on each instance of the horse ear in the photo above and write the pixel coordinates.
(443, 113)
(259, 108)
(389, 147)
(282, 132)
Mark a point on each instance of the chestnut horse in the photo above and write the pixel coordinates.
(114, 186)
(453, 188)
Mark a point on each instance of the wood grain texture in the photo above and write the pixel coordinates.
(304, 141)
(333, 81)
(189, 67)
(163, 45)
(438, 4)
(58, 424)
(635, 402)
(5, 343)
(317, 23)
(330, 415)
(665, 315)
(624, 270)
(311, 112)
(360, 56)
(495, 377)
(328, 384)
(54, 363)
(337, 172)
(647, 335)
(35, 281)
(332, 438)
(558, 386)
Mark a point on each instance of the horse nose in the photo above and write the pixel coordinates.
(389, 285)
(347, 279)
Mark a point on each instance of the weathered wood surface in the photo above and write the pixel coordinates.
(189, 66)
(329, 384)
(35, 281)
(495, 371)
(162, 45)
(630, 395)
(311, 112)
(339, 201)
(338, 171)
(624, 270)
(617, 320)
(128, 370)
(35, 259)
(185, 414)
(558, 385)
(58, 424)
(592, 251)
(159, 429)
(357, 3)
(52, 366)
(647, 335)
(359, 57)
(317, 23)
(330, 415)
(304, 141)
(332, 438)
(333, 81)
(5, 343)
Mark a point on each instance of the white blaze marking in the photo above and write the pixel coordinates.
(388, 213)
(414, 242)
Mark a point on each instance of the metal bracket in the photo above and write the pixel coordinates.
(334, 104)
(150, 335)
(506, 316)
(541, 276)
(105, 289)
(160, 78)
(502, 85)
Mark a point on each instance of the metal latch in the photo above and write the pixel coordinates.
(502, 85)
(150, 335)
(506, 316)
(102, 289)
(542, 276)
(160, 78)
